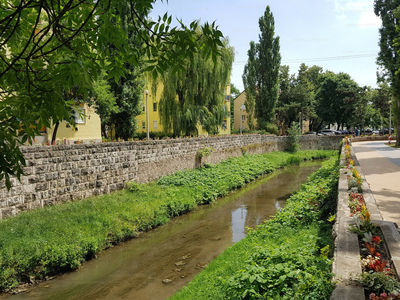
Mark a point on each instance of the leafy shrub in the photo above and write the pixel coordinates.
(294, 135)
(293, 160)
(272, 129)
(282, 269)
(134, 186)
(380, 282)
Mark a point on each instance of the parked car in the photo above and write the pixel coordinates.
(366, 131)
(326, 132)
(386, 131)
(311, 132)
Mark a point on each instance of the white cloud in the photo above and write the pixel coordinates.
(359, 13)
(369, 20)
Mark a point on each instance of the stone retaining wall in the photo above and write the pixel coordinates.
(55, 174)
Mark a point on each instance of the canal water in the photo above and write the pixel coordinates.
(162, 261)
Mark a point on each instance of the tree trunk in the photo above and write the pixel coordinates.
(53, 138)
(398, 124)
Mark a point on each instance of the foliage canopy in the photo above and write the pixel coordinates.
(49, 47)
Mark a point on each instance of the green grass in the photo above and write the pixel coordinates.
(284, 258)
(56, 239)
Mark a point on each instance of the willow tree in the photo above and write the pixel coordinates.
(195, 96)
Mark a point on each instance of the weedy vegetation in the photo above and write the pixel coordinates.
(287, 257)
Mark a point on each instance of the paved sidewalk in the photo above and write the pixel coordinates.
(381, 167)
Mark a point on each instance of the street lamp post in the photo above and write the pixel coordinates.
(147, 115)
(242, 108)
(390, 118)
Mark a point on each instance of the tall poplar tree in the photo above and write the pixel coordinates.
(389, 55)
(267, 60)
(196, 95)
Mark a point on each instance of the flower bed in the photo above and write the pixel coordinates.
(378, 276)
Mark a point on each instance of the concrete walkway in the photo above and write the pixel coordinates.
(381, 167)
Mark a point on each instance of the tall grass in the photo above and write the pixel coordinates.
(56, 239)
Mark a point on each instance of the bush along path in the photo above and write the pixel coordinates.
(377, 278)
(39, 244)
(287, 257)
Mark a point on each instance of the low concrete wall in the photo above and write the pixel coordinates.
(55, 174)
(346, 252)
(371, 138)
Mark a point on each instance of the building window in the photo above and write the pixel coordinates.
(143, 125)
(155, 124)
(243, 117)
(154, 106)
(224, 126)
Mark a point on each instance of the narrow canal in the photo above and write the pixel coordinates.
(159, 262)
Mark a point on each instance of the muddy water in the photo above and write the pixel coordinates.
(176, 251)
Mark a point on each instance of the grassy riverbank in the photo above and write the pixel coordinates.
(50, 241)
(286, 257)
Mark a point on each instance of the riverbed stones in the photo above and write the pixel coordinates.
(167, 280)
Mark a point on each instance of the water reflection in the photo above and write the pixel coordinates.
(239, 224)
(278, 206)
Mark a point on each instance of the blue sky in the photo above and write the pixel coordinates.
(340, 36)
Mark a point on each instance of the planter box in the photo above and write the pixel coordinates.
(347, 264)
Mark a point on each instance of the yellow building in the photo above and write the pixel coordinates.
(153, 101)
(240, 115)
(87, 128)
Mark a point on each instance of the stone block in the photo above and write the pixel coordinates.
(41, 187)
(7, 212)
(112, 187)
(76, 172)
(33, 179)
(35, 204)
(3, 203)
